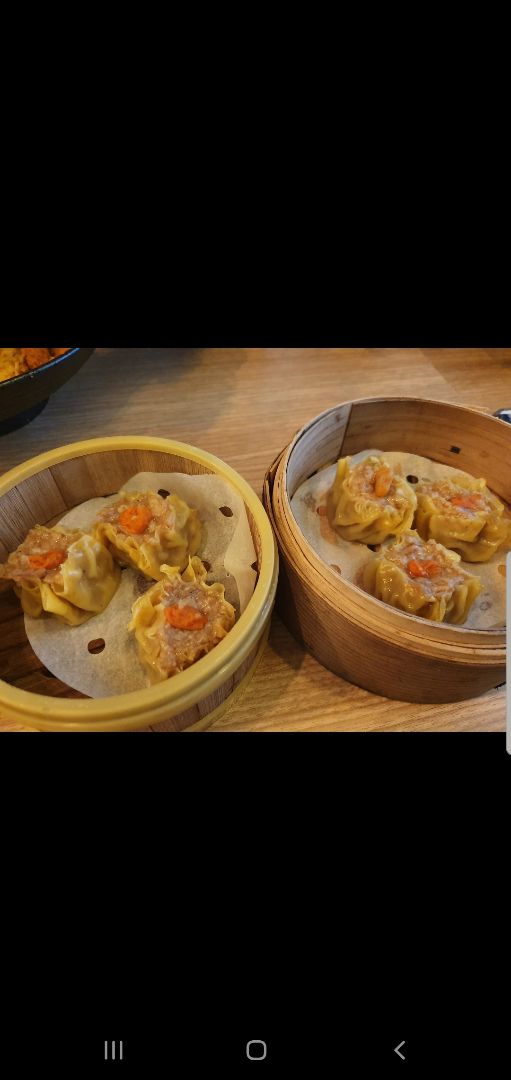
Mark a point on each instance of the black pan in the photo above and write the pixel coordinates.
(22, 398)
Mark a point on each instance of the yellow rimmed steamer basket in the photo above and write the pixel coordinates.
(40, 492)
(356, 636)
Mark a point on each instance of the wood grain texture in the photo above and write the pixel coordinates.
(245, 405)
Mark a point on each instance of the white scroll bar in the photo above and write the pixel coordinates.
(508, 653)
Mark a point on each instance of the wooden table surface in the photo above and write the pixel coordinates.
(244, 405)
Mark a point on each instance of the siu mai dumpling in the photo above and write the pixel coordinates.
(463, 515)
(179, 620)
(370, 501)
(422, 578)
(62, 571)
(145, 530)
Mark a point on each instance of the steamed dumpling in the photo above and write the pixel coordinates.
(462, 515)
(145, 530)
(370, 501)
(422, 578)
(63, 571)
(179, 620)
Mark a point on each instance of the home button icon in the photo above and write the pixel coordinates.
(256, 1050)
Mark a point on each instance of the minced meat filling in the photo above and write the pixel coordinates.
(39, 556)
(427, 566)
(181, 647)
(453, 499)
(140, 517)
(364, 479)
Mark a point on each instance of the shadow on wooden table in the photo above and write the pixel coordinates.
(174, 383)
(463, 371)
(118, 389)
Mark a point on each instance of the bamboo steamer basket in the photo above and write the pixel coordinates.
(351, 633)
(41, 491)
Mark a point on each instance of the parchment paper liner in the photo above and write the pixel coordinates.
(227, 547)
(488, 612)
